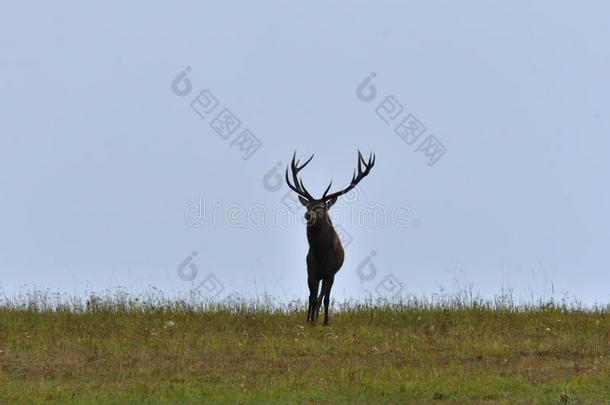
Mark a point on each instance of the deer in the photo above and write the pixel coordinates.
(325, 256)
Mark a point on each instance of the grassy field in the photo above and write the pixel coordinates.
(130, 351)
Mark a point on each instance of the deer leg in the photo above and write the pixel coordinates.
(318, 303)
(327, 284)
(324, 297)
(313, 293)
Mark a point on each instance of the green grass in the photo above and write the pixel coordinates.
(123, 350)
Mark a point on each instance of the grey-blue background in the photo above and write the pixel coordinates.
(99, 159)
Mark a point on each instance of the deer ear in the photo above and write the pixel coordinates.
(330, 202)
(303, 201)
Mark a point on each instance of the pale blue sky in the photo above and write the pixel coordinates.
(99, 159)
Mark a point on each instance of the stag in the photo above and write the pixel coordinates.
(325, 256)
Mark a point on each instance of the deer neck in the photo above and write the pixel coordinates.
(321, 235)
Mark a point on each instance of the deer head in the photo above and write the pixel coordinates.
(317, 209)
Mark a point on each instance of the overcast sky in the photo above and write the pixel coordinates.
(490, 123)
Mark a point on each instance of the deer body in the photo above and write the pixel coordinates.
(325, 250)
(324, 260)
(326, 255)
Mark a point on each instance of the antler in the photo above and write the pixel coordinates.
(355, 178)
(298, 187)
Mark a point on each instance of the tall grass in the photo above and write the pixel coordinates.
(153, 299)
